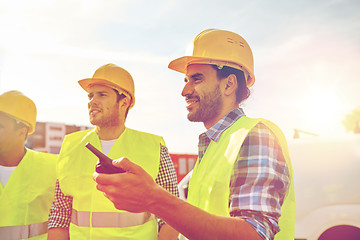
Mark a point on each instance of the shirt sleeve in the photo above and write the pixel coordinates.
(60, 212)
(167, 176)
(259, 182)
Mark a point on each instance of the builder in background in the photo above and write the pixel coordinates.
(27, 177)
(80, 210)
(242, 186)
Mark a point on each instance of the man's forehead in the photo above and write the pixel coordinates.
(196, 70)
(5, 116)
(99, 88)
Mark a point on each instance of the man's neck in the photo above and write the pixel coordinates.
(110, 133)
(13, 157)
(224, 112)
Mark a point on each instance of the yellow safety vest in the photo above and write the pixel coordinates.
(93, 215)
(26, 199)
(209, 184)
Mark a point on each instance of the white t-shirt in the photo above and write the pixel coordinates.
(5, 173)
(106, 145)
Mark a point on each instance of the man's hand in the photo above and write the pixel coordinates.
(136, 191)
(128, 191)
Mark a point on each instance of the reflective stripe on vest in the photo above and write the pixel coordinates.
(110, 219)
(24, 231)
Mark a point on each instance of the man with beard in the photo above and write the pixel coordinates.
(242, 183)
(79, 210)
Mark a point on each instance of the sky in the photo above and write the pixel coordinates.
(306, 53)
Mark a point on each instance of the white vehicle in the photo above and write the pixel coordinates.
(327, 188)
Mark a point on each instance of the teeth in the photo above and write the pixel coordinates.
(191, 101)
(93, 112)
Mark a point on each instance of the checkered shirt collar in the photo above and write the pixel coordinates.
(215, 131)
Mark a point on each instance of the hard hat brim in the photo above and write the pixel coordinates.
(180, 65)
(31, 129)
(17, 106)
(88, 82)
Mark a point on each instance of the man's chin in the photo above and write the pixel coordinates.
(93, 121)
(192, 117)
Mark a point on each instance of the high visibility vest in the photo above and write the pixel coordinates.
(209, 184)
(93, 215)
(26, 199)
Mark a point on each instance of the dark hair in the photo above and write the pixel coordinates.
(242, 92)
(119, 97)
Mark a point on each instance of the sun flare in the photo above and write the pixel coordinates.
(322, 111)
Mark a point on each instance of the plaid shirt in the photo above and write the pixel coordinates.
(60, 212)
(260, 177)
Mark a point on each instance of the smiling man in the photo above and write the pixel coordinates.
(242, 184)
(80, 211)
(203, 95)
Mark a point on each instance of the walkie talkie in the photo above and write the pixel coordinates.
(105, 163)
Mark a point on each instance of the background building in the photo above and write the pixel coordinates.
(48, 137)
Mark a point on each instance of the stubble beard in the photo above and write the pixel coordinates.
(111, 120)
(209, 107)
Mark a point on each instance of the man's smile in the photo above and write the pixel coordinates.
(191, 101)
(94, 111)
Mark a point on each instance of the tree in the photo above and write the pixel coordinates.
(352, 121)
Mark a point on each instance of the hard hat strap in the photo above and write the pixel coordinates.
(220, 64)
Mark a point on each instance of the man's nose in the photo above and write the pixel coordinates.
(92, 101)
(187, 90)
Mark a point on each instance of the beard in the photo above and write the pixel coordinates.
(110, 120)
(209, 106)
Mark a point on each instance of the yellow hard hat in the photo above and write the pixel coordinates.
(112, 76)
(17, 105)
(222, 48)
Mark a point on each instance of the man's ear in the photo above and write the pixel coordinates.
(230, 84)
(22, 132)
(125, 102)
